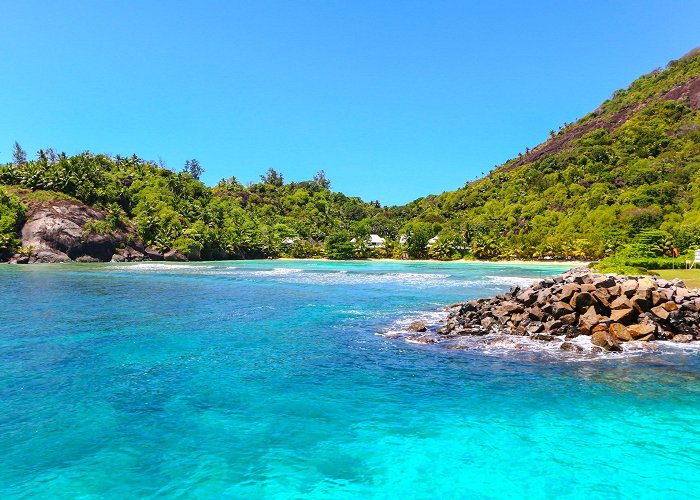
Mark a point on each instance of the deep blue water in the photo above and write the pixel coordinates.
(267, 379)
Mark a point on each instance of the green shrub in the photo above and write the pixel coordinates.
(302, 249)
(644, 263)
(619, 269)
(95, 226)
(338, 246)
(12, 213)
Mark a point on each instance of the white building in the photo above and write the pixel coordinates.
(376, 241)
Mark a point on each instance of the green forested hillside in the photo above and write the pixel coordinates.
(176, 210)
(629, 172)
(625, 180)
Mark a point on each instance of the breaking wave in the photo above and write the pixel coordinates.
(495, 344)
(324, 277)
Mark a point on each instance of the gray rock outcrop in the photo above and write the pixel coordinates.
(55, 232)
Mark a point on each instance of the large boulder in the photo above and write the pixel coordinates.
(581, 301)
(646, 284)
(683, 293)
(628, 287)
(621, 302)
(682, 323)
(568, 291)
(535, 313)
(640, 330)
(417, 326)
(535, 327)
(56, 232)
(559, 309)
(660, 312)
(602, 296)
(570, 346)
(640, 302)
(175, 255)
(681, 338)
(568, 319)
(527, 297)
(657, 298)
(604, 281)
(670, 306)
(153, 253)
(692, 305)
(488, 322)
(128, 254)
(606, 340)
(588, 321)
(620, 332)
(624, 316)
(510, 307)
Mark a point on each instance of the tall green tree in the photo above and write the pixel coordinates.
(19, 155)
(193, 168)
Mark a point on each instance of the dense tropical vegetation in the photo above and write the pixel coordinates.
(622, 182)
(175, 210)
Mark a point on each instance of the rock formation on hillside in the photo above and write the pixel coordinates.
(55, 231)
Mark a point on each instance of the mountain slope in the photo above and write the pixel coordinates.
(630, 167)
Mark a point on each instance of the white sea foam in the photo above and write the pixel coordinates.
(149, 267)
(275, 271)
(349, 278)
(399, 328)
(690, 347)
(322, 277)
(512, 280)
(498, 344)
(414, 279)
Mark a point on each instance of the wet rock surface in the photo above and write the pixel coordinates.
(579, 312)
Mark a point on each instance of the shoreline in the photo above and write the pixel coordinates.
(514, 262)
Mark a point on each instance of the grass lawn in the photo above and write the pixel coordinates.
(691, 277)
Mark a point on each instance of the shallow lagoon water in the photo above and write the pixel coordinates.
(268, 379)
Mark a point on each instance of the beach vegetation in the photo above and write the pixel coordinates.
(338, 245)
(12, 212)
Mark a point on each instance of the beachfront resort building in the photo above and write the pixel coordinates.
(375, 241)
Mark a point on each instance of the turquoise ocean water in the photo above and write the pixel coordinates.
(268, 379)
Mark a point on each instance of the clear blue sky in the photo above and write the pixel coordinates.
(394, 100)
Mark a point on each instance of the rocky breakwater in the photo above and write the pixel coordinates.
(612, 312)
